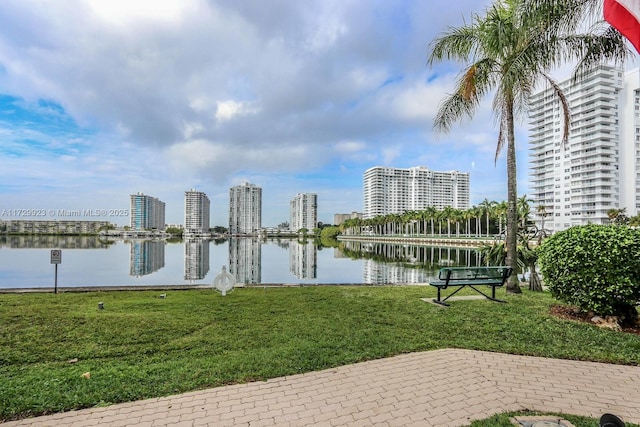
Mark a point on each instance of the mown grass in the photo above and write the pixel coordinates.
(142, 346)
(503, 420)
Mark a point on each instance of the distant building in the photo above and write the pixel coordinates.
(340, 218)
(146, 213)
(304, 211)
(394, 191)
(196, 212)
(20, 226)
(599, 168)
(245, 209)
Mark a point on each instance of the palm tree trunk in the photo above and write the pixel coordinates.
(487, 217)
(512, 198)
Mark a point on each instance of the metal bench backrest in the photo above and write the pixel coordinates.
(474, 273)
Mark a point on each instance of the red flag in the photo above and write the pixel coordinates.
(624, 16)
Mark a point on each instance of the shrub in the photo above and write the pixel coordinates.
(596, 267)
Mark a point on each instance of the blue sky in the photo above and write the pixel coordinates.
(100, 100)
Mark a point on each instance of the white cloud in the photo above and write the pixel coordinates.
(127, 12)
(191, 129)
(329, 26)
(347, 147)
(227, 110)
(390, 154)
(198, 92)
(194, 154)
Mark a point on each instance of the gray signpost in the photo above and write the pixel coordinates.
(56, 258)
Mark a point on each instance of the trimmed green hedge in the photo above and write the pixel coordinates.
(596, 267)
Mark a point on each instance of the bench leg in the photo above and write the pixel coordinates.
(439, 301)
(442, 301)
(493, 293)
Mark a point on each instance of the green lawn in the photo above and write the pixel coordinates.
(142, 346)
(503, 420)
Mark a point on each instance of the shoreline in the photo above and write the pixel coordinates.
(124, 288)
(436, 241)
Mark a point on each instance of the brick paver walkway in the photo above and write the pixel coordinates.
(433, 388)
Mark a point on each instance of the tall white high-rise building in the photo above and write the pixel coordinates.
(597, 170)
(303, 211)
(630, 143)
(393, 190)
(196, 212)
(245, 209)
(146, 212)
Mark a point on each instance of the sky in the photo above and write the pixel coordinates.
(103, 99)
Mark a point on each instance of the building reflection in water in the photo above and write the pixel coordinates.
(196, 259)
(393, 263)
(146, 257)
(245, 259)
(303, 260)
(39, 241)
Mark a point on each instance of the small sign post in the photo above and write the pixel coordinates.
(56, 258)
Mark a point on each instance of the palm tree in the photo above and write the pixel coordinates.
(345, 227)
(431, 213)
(440, 216)
(500, 211)
(487, 208)
(458, 216)
(448, 213)
(542, 213)
(524, 211)
(468, 215)
(412, 221)
(508, 50)
(424, 216)
(474, 213)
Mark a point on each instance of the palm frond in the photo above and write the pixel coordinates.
(455, 44)
(474, 82)
(561, 16)
(452, 108)
(566, 114)
(593, 49)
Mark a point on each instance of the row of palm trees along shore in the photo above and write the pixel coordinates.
(481, 224)
(485, 222)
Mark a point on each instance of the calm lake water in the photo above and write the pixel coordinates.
(25, 262)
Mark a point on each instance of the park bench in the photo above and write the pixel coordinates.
(461, 277)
